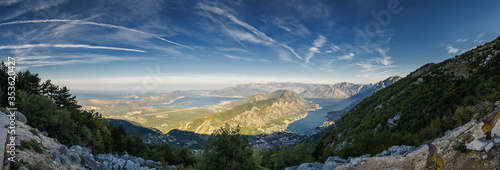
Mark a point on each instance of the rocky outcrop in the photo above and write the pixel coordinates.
(397, 151)
(54, 155)
(331, 163)
(83, 157)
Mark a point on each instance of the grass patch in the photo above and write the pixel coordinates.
(34, 132)
(31, 144)
(460, 147)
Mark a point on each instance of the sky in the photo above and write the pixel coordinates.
(155, 45)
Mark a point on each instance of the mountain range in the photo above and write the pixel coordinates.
(342, 90)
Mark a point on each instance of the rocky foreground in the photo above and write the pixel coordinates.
(36, 150)
(479, 153)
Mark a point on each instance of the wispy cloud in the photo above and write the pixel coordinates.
(232, 49)
(80, 22)
(461, 40)
(385, 60)
(478, 38)
(29, 46)
(318, 43)
(327, 66)
(27, 6)
(260, 37)
(291, 26)
(349, 56)
(46, 60)
(333, 48)
(451, 49)
(247, 59)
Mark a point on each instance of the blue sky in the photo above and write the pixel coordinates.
(154, 45)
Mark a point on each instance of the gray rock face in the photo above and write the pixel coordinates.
(334, 162)
(65, 160)
(44, 133)
(131, 165)
(397, 151)
(20, 117)
(88, 161)
(77, 149)
(310, 166)
(75, 158)
(477, 144)
(63, 150)
(488, 147)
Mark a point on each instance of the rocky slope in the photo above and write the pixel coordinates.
(36, 150)
(265, 113)
(421, 106)
(480, 154)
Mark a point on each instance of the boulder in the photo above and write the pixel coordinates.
(488, 146)
(65, 160)
(149, 163)
(172, 167)
(75, 158)
(291, 168)
(105, 166)
(310, 166)
(86, 150)
(44, 133)
(131, 165)
(333, 162)
(382, 154)
(77, 149)
(63, 149)
(353, 162)
(20, 117)
(125, 156)
(141, 161)
(401, 150)
(88, 161)
(104, 157)
(477, 144)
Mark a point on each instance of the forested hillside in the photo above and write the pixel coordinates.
(420, 107)
(53, 109)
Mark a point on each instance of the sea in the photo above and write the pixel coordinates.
(317, 117)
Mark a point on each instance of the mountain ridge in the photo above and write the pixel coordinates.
(271, 113)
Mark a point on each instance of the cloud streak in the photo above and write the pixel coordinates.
(29, 46)
(80, 22)
(247, 59)
(264, 39)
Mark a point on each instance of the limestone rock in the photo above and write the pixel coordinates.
(488, 147)
(131, 165)
(333, 162)
(63, 149)
(477, 144)
(20, 117)
(77, 149)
